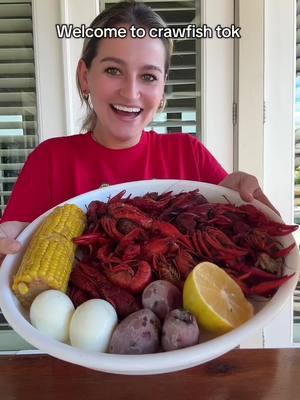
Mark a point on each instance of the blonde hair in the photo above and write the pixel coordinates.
(123, 13)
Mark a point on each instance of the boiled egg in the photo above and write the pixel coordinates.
(92, 325)
(51, 313)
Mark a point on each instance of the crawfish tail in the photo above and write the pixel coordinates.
(285, 251)
(124, 302)
(268, 288)
(279, 229)
(83, 282)
(120, 210)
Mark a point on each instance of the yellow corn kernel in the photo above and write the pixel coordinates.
(48, 259)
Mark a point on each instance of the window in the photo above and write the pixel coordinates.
(297, 169)
(18, 113)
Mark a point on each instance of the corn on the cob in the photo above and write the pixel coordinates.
(48, 260)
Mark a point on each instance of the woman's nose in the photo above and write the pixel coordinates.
(130, 88)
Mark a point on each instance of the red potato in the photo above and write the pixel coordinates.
(161, 297)
(138, 333)
(180, 329)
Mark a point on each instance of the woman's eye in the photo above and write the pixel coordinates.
(112, 71)
(149, 78)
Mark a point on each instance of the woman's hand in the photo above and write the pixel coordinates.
(8, 232)
(248, 187)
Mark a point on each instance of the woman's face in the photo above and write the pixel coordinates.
(126, 85)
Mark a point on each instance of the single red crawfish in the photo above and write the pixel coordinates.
(105, 254)
(129, 247)
(132, 252)
(159, 246)
(109, 226)
(238, 265)
(218, 241)
(168, 230)
(118, 197)
(185, 262)
(124, 302)
(165, 270)
(187, 200)
(184, 201)
(268, 288)
(200, 245)
(257, 274)
(213, 213)
(125, 225)
(151, 202)
(186, 222)
(135, 235)
(285, 251)
(91, 239)
(133, 279)
(85, 280)
(95, 209)
(96, 285)
(120, 210)
(273, 228)
(260, 240)
(77, 295)
(241, 284)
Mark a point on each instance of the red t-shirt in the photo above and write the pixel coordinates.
(64, 167)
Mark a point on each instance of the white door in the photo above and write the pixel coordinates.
(266, 134)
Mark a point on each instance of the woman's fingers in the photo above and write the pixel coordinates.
(248, 184)
(260, 196)
(8, 232)
(12, 228)
(248, 188)
(9, 246)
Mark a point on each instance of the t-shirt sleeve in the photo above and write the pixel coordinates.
(211, 171)
(31, 195)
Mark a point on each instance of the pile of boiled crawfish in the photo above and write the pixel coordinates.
(132, 241)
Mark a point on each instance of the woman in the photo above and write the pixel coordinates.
(122, 83)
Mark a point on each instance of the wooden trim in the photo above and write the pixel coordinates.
(217, 83)
(250, 146)
(48, 69)
(74, 12)
(279, 138)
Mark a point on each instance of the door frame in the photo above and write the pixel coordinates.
(266, 130)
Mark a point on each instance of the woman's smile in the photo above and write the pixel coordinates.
(126, 112)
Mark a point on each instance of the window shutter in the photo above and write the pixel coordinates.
(18, 114)
(183, 110)
(297, 171)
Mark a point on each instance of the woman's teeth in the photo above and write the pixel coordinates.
(126, 109)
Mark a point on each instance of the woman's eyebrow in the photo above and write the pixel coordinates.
(115, 59)
(122, 62)
(152, 67)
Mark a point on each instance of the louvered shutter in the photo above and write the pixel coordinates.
(18, 133)
(182, 113)
(17, 92)
(297, 171)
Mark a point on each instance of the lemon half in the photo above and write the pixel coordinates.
(215, 299)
